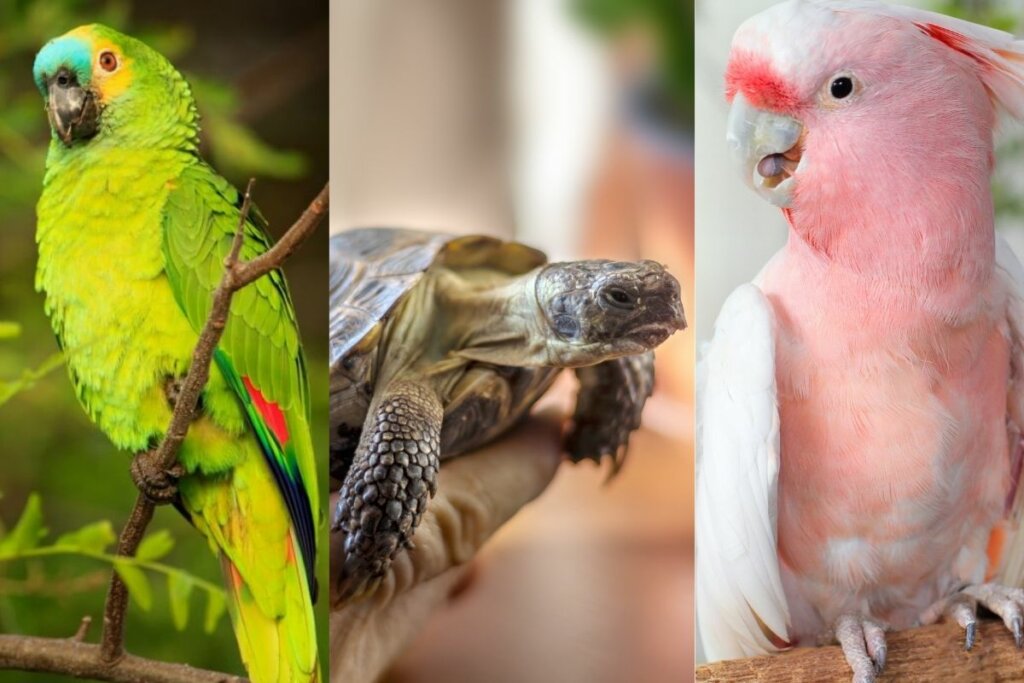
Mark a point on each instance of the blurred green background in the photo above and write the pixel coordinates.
(259, 72)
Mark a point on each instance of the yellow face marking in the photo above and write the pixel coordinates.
(107, 84)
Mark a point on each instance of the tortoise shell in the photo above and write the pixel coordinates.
(372, 270)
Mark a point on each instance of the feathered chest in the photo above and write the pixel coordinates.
(894, 455)
(101, 267)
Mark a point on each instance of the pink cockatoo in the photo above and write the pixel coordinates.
(862, 400)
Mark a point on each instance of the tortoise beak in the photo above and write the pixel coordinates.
(678, 315)
(667, 307)
(72, 109)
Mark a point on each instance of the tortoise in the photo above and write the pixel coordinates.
(441, 343)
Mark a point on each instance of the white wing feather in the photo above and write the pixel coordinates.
(1011, 572)
(739, 588)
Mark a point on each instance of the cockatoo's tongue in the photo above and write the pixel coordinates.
(775, 168)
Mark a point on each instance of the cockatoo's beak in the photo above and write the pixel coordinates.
(768, 147)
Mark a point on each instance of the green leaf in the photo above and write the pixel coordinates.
(155, 545)
(236, 149)
(136, 581)
(91, 538)
(216, 603)
(179, 588)
(27, 533)
(9, 330)
(29, 377)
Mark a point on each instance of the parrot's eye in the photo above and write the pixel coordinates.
(108, 61)
(841, 87)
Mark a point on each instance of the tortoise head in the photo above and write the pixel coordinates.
(605, 309)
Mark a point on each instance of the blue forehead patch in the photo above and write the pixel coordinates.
(70, 52)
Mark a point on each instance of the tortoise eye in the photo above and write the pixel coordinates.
(618, 298)
(108, 61)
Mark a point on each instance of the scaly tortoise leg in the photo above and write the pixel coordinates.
(608, 407)
(387, 488)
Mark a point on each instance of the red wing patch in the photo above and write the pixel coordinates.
(269, 411)
(755, 77)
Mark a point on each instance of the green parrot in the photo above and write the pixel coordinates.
(133, 229)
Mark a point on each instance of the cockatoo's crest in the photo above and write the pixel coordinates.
(998, 56)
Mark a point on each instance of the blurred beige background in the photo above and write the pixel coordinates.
(507, 118)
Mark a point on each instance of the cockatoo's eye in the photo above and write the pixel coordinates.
(108, 61)
(841, 87)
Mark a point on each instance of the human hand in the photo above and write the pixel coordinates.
(476, 494)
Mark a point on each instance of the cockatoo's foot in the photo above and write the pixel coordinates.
(1006, 602)
(156, 483)
(863, 643)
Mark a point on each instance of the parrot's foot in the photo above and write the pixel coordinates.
(863, 643)
(172, 390)
(1005, 602)
(158, 484)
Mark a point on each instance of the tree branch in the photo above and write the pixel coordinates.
(83, 660)
(108, 660)
(930, 653)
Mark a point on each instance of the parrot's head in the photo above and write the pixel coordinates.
(843, 111)
(101, 85)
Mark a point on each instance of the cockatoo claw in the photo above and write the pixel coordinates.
(863, 643)
(962, 607)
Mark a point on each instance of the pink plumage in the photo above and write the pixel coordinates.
(863, 395)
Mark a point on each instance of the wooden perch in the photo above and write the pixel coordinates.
(926, 654)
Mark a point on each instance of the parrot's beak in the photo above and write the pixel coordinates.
(768, 146)
(72, 109)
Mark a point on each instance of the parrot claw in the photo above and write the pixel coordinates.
(962, 608)
(863, 643)
(1005, 602)
(157, 484)
(971, 632)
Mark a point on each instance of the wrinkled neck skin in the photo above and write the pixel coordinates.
(452, 318)
(492, 317)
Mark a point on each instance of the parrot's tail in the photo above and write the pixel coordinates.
(275, 648)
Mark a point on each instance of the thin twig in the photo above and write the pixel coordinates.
(83, 660)
(236, 275)
(83, 629)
